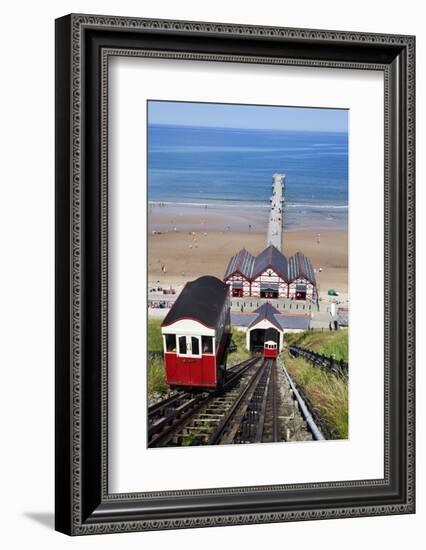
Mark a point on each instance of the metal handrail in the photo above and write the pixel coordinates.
(316, 432)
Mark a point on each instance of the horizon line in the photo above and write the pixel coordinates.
(247, 128)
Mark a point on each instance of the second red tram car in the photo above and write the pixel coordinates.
(270, 346)
(196, 334)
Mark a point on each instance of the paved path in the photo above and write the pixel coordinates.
(275, 223)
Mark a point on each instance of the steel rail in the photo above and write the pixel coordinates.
(189, 409)
(275, 428)
(160, 405)
(184, 394)
(218, 436)
(262, 413)
(239, 369)
(305, 411)
(237, 422)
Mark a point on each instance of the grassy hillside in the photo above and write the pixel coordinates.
(239, 339)
(155, 341)
(325, 342)
(156, 375)
(327, 392)
(155, 368)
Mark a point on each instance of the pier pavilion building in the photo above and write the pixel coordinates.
(271, 274)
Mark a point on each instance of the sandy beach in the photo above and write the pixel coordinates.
(241, 217)
(185, 249)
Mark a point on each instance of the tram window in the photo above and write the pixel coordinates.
(195, 343)
(171, 342)
(207, 344)
(182, 345)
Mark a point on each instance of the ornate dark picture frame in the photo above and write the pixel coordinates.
(83, 45)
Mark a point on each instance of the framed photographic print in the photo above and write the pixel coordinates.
(234, 274)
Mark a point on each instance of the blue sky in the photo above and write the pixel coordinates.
(247, 116)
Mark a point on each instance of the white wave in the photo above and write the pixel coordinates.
(237, 204)
(315, 206)
(240, 204)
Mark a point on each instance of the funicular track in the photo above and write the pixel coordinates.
(267, 411)
(257, 404)
(170, 415)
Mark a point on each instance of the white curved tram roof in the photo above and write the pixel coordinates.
(188, 327)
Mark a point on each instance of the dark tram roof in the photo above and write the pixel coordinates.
(201, 300)
(288, 268)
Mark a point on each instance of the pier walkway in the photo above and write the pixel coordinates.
(275, 223)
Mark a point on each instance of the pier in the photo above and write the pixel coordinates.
(275, 222)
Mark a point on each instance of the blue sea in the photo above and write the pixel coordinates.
(232, 168)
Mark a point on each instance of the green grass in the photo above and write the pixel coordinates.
(155, 340)
(241, 354)
(324, 342)
(327, 392)
(156, 375)
(156, 372)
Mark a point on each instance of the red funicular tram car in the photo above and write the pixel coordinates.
(270, 346)
(196, 334)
